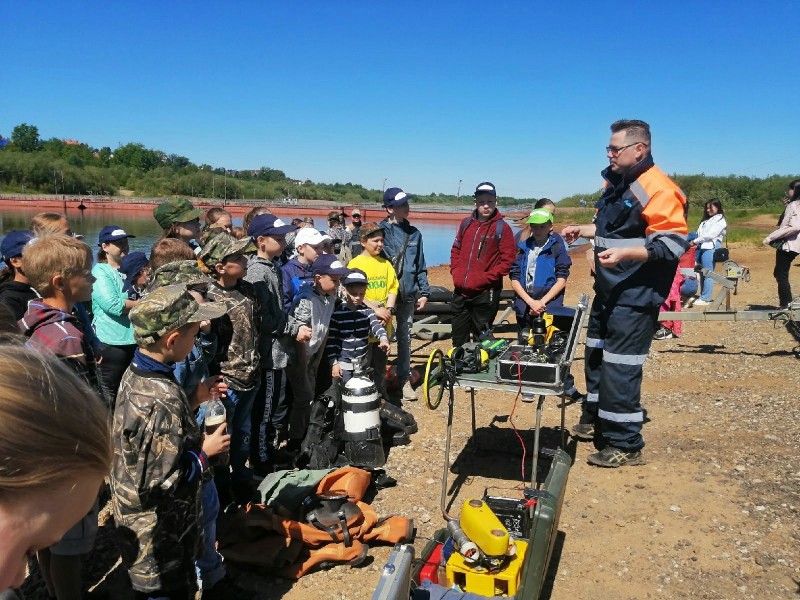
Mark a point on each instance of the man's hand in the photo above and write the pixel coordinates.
(336, 371)
(384, 345)
(218, 442)
(611, 257)
(303, 334)
(421, 302)
(570, 233)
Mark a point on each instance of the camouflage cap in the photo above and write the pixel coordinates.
(223, 245)
(175, 210)
(169, 308)
(187, 272)
(209, 233)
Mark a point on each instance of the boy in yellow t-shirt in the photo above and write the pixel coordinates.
(381, 296)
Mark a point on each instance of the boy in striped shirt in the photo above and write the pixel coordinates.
(353, 324)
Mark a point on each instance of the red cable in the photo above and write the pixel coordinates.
(515, 356)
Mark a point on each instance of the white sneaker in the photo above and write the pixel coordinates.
(701, 302)
(408, 392)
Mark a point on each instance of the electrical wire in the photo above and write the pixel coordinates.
(515, 356)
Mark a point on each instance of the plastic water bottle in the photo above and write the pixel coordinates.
(215, 416)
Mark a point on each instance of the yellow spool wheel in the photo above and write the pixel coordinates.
(435, 380)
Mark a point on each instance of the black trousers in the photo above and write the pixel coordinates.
(617, 343)
(114, 363)
(473, 315)
(783, 262)
(260, 430)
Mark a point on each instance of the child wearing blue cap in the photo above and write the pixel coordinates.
(15, 291)
(134, 268)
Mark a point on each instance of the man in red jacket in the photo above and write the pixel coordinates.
(481, 256)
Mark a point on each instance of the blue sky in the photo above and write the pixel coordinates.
(422, 94)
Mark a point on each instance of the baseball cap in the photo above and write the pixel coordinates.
(328, 264)
(112, 233)
(355, 276)
(309, 235)
(223, 245)
(486, 187)
(169, 308)
(268, 225)
(395, 197)
(539, 216)
(14, 242)
(210, 232)
(131, 265)
(175, 210)
(186, 272)
(368, 229)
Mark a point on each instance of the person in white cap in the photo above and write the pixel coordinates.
(297, 271)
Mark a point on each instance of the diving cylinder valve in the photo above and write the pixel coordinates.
(361, 406)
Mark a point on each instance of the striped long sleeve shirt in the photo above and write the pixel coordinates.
(350, 332)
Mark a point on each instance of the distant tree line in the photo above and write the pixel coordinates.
(56, 166)
(732, 190)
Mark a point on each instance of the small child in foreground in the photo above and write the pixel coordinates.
(313, 308)
(160, 453)
(352, 324)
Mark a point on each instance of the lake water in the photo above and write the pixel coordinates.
(437, 236)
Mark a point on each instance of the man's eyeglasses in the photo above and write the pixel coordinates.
(614, 151)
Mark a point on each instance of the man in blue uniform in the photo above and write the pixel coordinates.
(639, 233)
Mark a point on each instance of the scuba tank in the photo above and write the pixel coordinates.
(361, 406)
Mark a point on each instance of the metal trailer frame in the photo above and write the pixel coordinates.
(473, 382)
(720, 307)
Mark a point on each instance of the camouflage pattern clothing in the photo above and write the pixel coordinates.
(223, 245)
(186, 272)
(209, 232)
(156, 505)
(237, 358)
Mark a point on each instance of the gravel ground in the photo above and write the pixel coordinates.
(714, 512)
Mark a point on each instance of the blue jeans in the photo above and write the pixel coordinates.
(208, 565)
(705, 258)
(405, 319)
(239, 406)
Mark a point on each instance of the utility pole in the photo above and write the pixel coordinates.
(458, 193)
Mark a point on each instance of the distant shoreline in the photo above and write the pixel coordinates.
(297, 208)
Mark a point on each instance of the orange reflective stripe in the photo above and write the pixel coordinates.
(663, 209)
